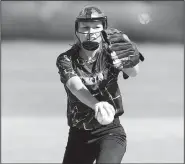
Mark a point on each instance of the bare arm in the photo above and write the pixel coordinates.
(73, 82)
(76, 86)
(132, 72)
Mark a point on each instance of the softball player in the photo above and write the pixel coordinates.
(89, 71)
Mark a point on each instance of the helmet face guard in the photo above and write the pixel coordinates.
(90, 14)
(101, 19)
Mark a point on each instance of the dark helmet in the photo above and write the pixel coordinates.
(91, 14)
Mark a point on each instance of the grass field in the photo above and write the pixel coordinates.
(33, 103)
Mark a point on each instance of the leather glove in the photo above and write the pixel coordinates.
(124, 53)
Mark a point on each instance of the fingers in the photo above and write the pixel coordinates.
(109, 109)
(121, 54)
(124, 53)
(98, 108)
(121, 46)
(117, 38)
(103, 112)
(104, 109)
(96, 111)
(114, 40)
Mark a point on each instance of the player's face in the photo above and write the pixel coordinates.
(90, 31)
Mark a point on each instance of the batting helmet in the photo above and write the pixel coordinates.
(91, 14)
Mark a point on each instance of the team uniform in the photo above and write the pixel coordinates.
(90, 140)
(100, 77)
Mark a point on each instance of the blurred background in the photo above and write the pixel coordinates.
(33, 100)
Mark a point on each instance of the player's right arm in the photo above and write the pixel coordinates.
(78, 89)
(73, 82)
(106, 110)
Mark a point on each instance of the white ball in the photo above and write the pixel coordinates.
(105, 119)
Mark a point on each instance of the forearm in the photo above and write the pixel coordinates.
(132, 72)
(78, 89)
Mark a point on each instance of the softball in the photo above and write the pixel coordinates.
(105, 119)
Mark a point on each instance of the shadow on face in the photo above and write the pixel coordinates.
(90, 31)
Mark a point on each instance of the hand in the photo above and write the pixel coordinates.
(124, 53)
(104, 113)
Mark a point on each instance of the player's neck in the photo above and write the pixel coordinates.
(88, 55)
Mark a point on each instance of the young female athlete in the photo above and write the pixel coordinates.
(89, 72)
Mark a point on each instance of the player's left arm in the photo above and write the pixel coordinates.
(124, 53)
(132, 72)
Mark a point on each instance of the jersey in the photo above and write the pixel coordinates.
(101, 79)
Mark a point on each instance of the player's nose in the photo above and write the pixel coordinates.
(90, 36)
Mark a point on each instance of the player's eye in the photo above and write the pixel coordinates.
(85, 27)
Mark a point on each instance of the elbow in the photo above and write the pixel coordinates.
(135, 72)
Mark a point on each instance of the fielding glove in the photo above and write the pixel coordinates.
(124, 53)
